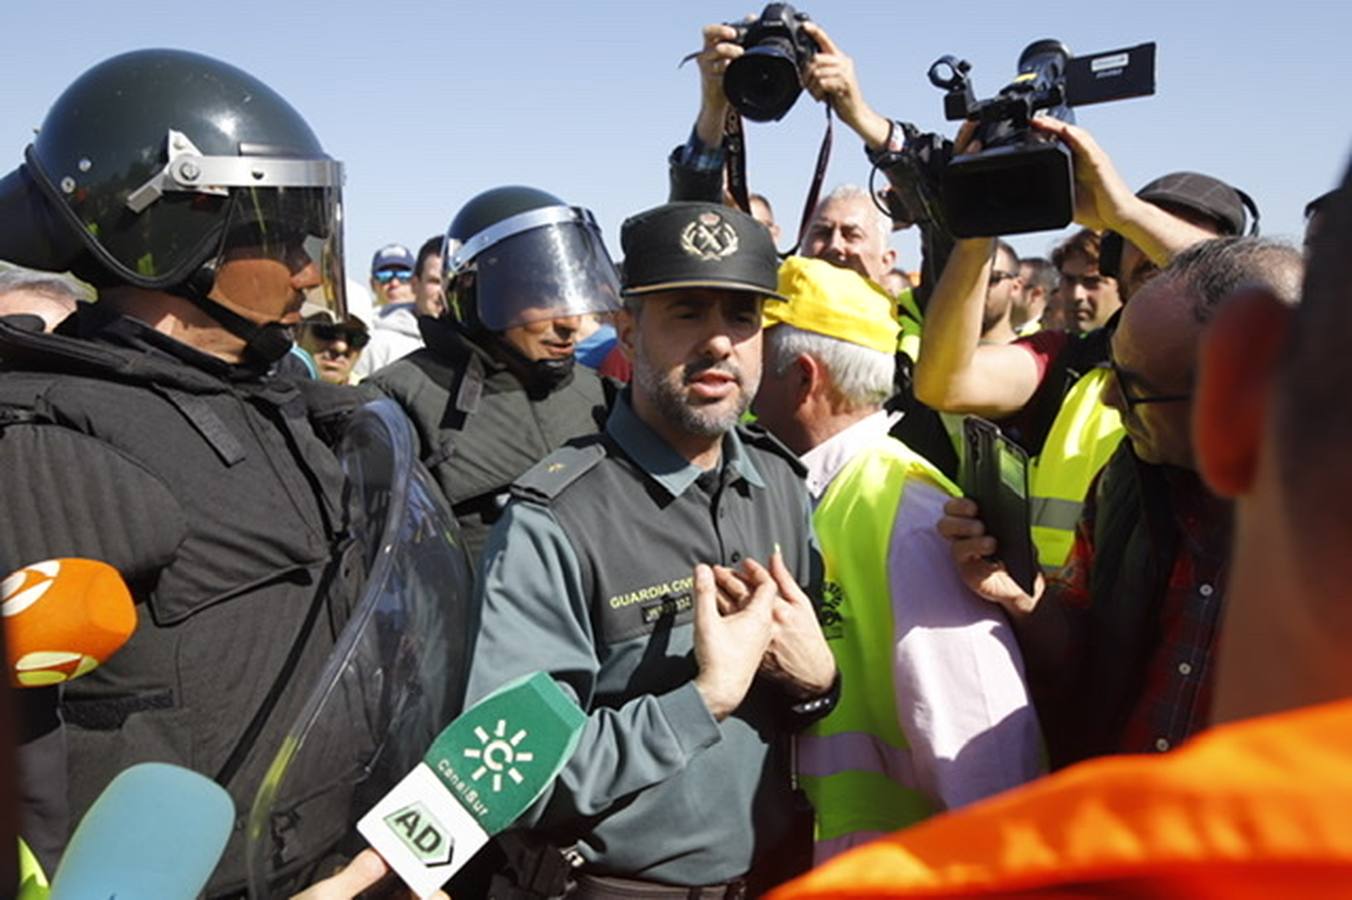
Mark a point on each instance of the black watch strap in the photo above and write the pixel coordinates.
(819, 706)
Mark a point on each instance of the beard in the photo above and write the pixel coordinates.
(668, 394)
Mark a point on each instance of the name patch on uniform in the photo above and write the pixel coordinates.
(629, 614)
(652, 591)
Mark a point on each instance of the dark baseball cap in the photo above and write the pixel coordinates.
(697, 245)
(1201, 194)
(392, 256)
(1188, 192)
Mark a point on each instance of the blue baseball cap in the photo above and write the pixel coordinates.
(392, 256)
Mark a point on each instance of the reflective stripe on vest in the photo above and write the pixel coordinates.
(855, 764)
(1081, 439)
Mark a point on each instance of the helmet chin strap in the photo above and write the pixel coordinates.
(540, 376)
(263, 344)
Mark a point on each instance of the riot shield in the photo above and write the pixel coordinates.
(396, 675)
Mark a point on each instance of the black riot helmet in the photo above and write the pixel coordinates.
(516, 255)
(156, 167)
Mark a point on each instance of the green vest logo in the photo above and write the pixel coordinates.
(424, 836)
(498, 755)
(830, 615)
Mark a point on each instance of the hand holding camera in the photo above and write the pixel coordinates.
(830, 78)
(720, 49)
(1100, 193)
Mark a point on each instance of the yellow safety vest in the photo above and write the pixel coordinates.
(32, 880)
(911, 321)
(1082, 438)
(868, 785)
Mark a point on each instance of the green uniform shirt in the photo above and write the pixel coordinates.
(588, 576)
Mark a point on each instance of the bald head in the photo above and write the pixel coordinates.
(1155, 347)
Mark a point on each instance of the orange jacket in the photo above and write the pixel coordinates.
(1261, 808)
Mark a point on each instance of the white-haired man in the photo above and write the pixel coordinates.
(933, 713)
(848, 230)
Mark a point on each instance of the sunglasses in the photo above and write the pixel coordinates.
(385, 276)
(354, 338)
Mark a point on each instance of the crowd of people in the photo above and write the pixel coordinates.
(713, 492)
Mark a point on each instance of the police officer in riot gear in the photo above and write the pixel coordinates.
(495, 389)
(148, 431)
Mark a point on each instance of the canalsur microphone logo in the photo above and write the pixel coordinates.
(498, 754)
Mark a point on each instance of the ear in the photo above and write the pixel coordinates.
(889, 259)
(810, 374)
(626, 331)
(1237, 365)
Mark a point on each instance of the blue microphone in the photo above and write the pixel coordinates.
(156, 831)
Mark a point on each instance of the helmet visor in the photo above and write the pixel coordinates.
(299, 227)
(547, 263)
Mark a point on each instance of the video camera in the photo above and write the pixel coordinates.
(1020, 180)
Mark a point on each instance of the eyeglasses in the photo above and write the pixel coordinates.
(385, 276)
(1120, 377)
(997, 276)
(354, 338)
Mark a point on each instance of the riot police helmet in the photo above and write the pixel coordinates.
(516, 255)
(158, 168)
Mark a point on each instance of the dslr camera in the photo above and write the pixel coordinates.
(763, 83)
(1020, 180)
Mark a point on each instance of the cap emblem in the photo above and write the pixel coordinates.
(709, 238)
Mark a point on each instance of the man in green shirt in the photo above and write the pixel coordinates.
(654, 570)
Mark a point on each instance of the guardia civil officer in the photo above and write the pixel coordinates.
(495, 390)
(600, 572)
(148, 432)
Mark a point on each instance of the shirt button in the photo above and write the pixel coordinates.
(736, 557)
(1162, 744)
(1184, 669)
(1206, 590)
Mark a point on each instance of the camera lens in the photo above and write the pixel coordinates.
(763, 82)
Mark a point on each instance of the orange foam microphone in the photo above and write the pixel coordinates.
(63, 617)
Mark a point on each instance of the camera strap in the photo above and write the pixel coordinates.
(734, 155)
(734, 159)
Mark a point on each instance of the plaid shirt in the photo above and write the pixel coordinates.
(698, 155)
(1175, 698)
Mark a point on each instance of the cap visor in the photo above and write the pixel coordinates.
(743, 286)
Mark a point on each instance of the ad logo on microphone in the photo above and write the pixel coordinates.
(422, 834)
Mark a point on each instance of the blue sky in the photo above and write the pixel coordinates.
(430, 103)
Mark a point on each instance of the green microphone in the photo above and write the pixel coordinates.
(478, 777)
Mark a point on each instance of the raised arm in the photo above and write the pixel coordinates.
(955, 372)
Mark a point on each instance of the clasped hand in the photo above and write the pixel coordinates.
(792, 649)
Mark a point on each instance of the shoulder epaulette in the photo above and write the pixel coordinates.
(757, 436)
(552, 475)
